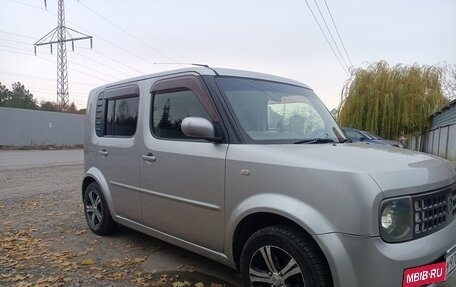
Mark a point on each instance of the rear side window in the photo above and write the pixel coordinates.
(119, 113)
(122, 116)
(170, 109)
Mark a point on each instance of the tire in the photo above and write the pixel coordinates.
(283, 256)
(96, 211)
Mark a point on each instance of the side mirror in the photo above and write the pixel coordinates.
(197, 127)
(362, 139)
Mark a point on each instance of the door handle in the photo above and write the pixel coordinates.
(103, 153)
(148, 158)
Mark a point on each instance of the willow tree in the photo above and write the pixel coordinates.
(391, 101)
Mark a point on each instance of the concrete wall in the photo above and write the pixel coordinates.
(19, 127)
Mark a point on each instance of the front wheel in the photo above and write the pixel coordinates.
(96, 211)
(283, 256)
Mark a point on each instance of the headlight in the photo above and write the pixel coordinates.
(396, 219)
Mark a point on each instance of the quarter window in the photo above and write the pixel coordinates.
(170, 109)
(99, 115)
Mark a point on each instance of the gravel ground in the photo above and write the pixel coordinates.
(44, 240)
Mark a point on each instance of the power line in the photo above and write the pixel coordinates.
(18, 35)
(97, 36)
(338, 34)
(45, 79)
(71, 68)
(80, 55)
(27, 4)
(126, 32)
(103, 64)
(114, 60)
(326, 38)
(12, 47)
(114, 45)
(17, 42)
(93, 70)
(79, 71)
(15, 52)
(85, 73)
(137, 25)
(94, 50)
(41, 90)
(330, 34)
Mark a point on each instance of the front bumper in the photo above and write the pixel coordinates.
(357, 261)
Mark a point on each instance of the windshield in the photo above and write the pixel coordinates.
(270, 112)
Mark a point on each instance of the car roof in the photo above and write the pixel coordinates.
(205, 70)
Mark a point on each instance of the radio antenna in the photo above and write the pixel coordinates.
(190, 64)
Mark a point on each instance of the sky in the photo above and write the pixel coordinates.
(275, 37)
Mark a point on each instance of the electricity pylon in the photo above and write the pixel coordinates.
(60, 36)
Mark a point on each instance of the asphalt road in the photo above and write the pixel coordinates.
(15, 159)
(31, 179)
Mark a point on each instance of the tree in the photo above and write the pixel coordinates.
(18, 97)
(391, 101)
(4, 94)
(449, 80)
(71, 108)
(49, 106)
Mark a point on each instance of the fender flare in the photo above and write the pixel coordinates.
(95, 174)
(305, 216)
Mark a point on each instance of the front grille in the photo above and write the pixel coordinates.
(433, 210)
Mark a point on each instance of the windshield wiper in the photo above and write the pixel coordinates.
(315, 141)
(347, 140)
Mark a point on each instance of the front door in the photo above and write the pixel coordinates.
(182, 178)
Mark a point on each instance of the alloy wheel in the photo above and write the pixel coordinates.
(93, 209)
(272, 266)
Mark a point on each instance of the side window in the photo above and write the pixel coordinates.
(121, 116)
(117, 112)
(99, 115)
(353, 135)
(170, 109)
(110, 105)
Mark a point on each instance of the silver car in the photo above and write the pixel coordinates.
(252, 171)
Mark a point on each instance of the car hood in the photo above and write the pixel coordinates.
(396, 171)
(387, 142)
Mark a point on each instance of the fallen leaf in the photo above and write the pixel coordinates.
(87, 262)
(139, 260)
(80, 232)
(18, 277)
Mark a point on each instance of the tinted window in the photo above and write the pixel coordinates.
(121, 116)
(99, 115)
(354, 135)
(170, 109)
(125, 116)
(110, 105)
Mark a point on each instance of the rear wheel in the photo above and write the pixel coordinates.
(96, 211)
(283, 256)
